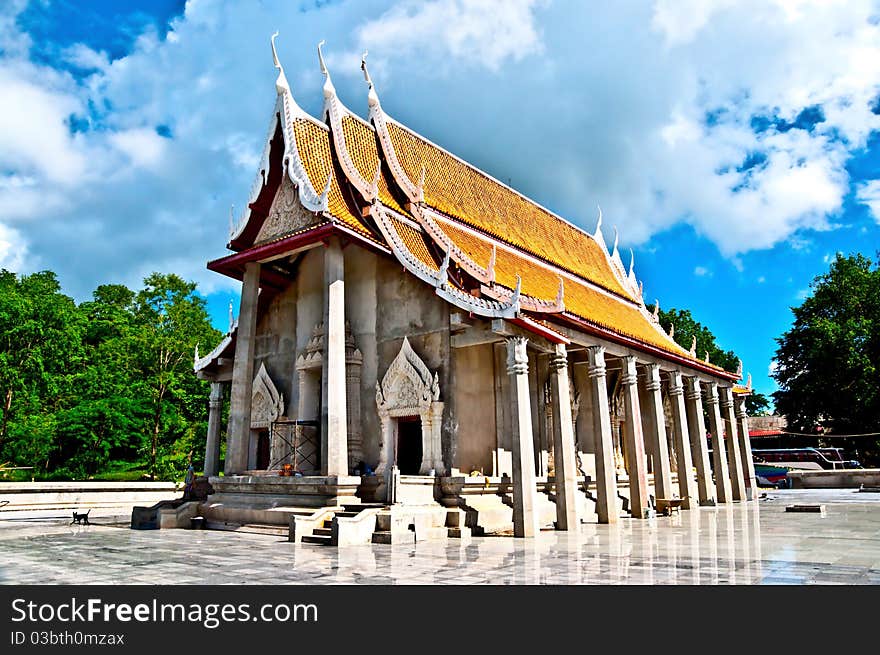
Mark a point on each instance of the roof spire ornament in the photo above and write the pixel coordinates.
(739, 369)
(329, 89)
(196, 354)
(614, 251)
(421, 187)
(372, 96)
(749, 383)
(281, 84)
(560, 294)
(656, 311)
(514, 299)
(597, 234)
(443, 275)
(707, 356)
(231, 318)
(671, 330)
(694, 346)
(490, 269)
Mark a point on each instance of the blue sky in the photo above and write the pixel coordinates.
(734, 144)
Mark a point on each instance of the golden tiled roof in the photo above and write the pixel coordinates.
(416, 241)
(313, 144)
(466, 193)
(539, 281)
(360, 141)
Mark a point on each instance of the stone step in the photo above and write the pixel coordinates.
(324, 532)
(328, 522)
(388, 537)
(320, 539)
(347, 514)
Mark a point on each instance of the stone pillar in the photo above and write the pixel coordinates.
(697, 429)
(719, 452)
(563, 442)
(745, 448)
(334, 422)
(635, 440)
(734, 458)
(656, 433)
(525, 517)
(606, 473)
(687, 486)
(238, 435)
(212, 442)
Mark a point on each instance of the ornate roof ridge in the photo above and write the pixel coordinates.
(555, 268)
(335, 111)
(439, 280)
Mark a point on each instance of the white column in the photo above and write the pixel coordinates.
(719, 452)
(334, 438)
(697, 429)
(238, 435)
(687, 486)
(563, 442)
(657, 432)
(606, 474)
(212, 442)
(734, 457)
(525, 518)
(745, 448)
(635, 440)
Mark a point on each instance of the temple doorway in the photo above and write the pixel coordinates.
(263, 449)
(409, 445)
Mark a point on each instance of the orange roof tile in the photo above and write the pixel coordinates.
(464, 192)
(539, 281)
(416, 241)
(313, 144)
(360, 141)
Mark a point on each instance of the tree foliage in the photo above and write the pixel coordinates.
(686, 328)
(828, 363)
(106, 385)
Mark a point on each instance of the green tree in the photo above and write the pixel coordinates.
(686, 328)
(173, 319)
(757, 404)
(40, 347)
(828, 363)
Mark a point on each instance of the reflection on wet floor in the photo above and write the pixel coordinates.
(742, 543)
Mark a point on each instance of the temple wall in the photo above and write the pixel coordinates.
(407, 307)
(474, 417)
(275, 343)
(310, 310)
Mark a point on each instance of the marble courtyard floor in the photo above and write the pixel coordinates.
(743, 543)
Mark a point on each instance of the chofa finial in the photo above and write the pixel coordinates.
(739, 369)
(656, 311)
(694, 346)
(599, 220)
(372, 96)
(196, 354)
(672, 330)
(329, 89)
(707, 356)
(281, 84)
(231, 318)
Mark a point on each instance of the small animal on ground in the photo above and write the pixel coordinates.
(81, 518)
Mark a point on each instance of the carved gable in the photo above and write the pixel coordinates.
(286, 214)
(267, 404)
(408, 384)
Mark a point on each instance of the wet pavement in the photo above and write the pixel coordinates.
(742, 543)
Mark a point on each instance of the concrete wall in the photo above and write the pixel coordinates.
(474, 418)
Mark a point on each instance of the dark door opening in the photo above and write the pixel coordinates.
(262, 450)
(409, 445)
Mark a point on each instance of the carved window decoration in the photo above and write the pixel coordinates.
(267, 403)
(410, 389)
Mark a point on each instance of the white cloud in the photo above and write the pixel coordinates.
(645, 108)
(12, 249)
(702, 271)
(476, 31)
(869, 194)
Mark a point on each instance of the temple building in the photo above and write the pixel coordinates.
(423, 352)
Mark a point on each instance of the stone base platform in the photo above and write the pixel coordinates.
(270, 499)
